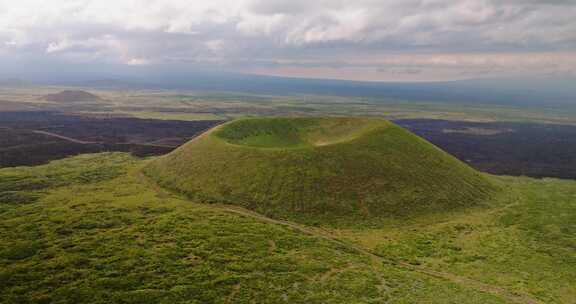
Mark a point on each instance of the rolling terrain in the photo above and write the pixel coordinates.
(309, 168)
(91, 229)
(122, 239)
(95, 229)
(288, 152)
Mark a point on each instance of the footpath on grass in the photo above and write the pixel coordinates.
(512, 296)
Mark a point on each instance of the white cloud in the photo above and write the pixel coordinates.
(137, 61)
(321, 32)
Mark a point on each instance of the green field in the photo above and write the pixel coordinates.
(95, 229)
(90, 229)
(321, 169)
(525, 240)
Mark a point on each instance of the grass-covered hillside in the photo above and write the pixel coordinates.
(92, 229)
(309, 168)
(524, 240)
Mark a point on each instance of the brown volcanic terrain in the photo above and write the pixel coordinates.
(71, 96)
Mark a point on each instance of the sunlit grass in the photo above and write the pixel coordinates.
(110, 238)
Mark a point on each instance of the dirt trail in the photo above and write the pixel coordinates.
(513, 297)
(83, 142)
(70, 139)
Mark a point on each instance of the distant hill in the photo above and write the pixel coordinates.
(306, 168)
(71, 96)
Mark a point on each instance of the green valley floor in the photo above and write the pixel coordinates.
(93, 229)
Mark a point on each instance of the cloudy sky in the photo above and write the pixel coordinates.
(388, 40)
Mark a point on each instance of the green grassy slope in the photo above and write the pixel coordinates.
(306, 168)
(524, 241)
(90, 229)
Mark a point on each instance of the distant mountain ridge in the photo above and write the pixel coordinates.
(551, 91)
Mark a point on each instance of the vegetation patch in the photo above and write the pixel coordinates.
(20, 250)
(18, 197)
